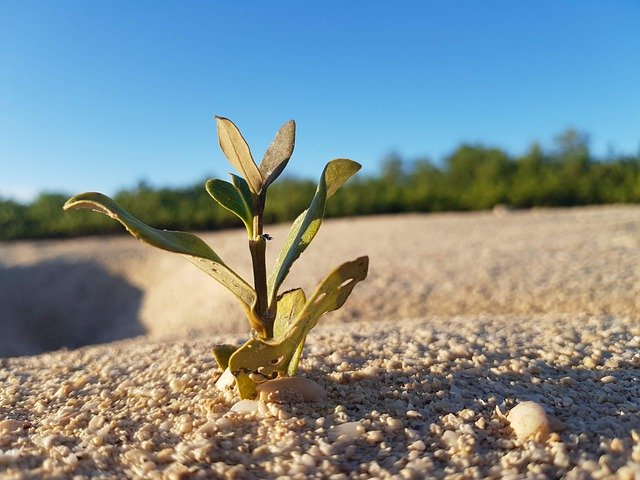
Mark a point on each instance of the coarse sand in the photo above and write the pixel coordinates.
(463, 317)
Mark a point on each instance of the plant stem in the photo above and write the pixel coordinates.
(257, 246)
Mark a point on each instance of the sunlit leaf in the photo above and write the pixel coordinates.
(292, 368)
(305, 227)
(246, 387)
(332, 292)
(231, 198)
(278, 154)
(222, 353)
(290, 304)
(237, 151)
(330, 295)
(191, 246)
(280, 356)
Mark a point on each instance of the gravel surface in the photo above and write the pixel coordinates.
(463, 317)
(406, 398)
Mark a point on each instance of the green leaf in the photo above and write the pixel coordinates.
(222, 353)
(246, 386)
(330, 295)
(231, 198)
(192, 247)
(237, 151)
(292, 368)
(290, 304)
(332, 292)
(278, 154)
(278, 356)
(305, 227)
(243, 187)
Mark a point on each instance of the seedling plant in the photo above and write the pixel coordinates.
(280, 322)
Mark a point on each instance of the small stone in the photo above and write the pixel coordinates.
(96, 422)
(226, 380)
(307, 460)
(185, 425)
(178, 384)
(290, 390)
(409, 473)
(208, 428)
(246, 406)
(47, 441)
(616, 445)
(393, 424)
(529, 421)
(261, 451)
(608, 379)
(349, 431)
(327, 449)
(418, 445)
(589, 362)
(374, 436)
(224, 424)
(450, 438)
(164, 456)
(626, 472)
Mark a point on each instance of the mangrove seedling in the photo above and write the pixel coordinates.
(279, 322)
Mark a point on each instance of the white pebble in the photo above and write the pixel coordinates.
(178, 384)
(208, 428)
(307, 460)
(96, 422)
(224, 423)
(375, 436)
(529, 421)
(226, 380)
(450, 438)
(47, 441)
(246, 406)
(418, 445)
(393, 424)
(349, 431)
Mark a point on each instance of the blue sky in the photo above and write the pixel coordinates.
(97, 95)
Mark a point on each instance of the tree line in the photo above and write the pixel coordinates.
(473, 177)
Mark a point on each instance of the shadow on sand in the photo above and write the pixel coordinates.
(62, 304)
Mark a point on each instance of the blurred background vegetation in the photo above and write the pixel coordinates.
(473, 177)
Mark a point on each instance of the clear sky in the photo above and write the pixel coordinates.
(97, 95)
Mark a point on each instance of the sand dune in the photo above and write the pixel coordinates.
(462, 317)
(101, 289)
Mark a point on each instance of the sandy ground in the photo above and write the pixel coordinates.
(462, 317)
